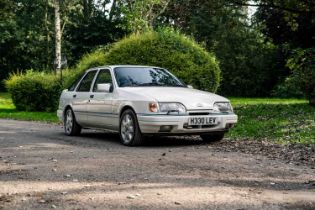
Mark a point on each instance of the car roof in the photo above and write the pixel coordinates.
(115, 66)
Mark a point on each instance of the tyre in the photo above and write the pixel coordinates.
(72, 128)
(129, 131)
(212, 137)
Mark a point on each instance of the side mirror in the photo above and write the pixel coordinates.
(104, 87)
(190, 86)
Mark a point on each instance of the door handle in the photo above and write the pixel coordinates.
(74, 96)
(91, 96)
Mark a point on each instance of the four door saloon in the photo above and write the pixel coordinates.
(139, 101)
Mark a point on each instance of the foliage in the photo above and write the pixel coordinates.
(93, 59)
(288, 89)
(252, 54)
(24, 38)
(171, 50)
(40, 91)
(141, 15)
(6, 101)
(247, 61)
(302, 63)
(27, 30)
(287, 21)
(249, 68)
(8, 111)
(290, 25)
(279, 120)
(89, 30)
(34, 91)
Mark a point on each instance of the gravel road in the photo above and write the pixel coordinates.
(41, 168)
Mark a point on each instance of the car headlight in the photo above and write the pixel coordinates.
(172, 108)
(224, 107)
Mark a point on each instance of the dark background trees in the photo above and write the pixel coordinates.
(27, 34)
(255, 51)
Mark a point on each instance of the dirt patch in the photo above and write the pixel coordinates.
(41, 168)
(292, 153)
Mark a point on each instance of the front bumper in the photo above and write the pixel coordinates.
(151, 124)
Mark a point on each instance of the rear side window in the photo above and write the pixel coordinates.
(86, 82)
(75, 83)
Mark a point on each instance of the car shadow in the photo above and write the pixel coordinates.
(150, 141)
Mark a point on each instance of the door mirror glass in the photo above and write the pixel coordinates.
(104, 87)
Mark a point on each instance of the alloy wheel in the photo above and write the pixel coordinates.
(69, 121)
(127, 128)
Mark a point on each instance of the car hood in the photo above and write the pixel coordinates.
(191, 98)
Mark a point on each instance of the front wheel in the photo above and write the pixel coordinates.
(129, 131)
(72, 128)
(212, 137)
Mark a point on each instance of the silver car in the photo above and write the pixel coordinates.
(138, 101)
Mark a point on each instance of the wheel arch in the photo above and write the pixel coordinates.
(124, 108)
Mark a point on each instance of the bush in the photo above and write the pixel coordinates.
(288, 89)
(34, 91)
(171, 50)
(39, 91)
(96, 58)
(302, 64)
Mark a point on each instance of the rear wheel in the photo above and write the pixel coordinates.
(129, 131)
(212, 137)
(72, 128)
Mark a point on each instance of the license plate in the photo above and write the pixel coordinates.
(202, 121)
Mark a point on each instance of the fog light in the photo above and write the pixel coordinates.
(229, 125)
(166, 128)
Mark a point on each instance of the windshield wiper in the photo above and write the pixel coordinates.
(178, 85)
(150, 84)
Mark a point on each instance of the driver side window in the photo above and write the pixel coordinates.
(103, 76)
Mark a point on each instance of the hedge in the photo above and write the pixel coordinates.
(171, 50)
(39, 91)
(34, 91)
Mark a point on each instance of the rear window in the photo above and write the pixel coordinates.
(75, 83)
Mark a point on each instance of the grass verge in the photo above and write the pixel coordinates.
(279, 120)
(8, 111)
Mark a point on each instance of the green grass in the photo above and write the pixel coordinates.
(255, 101)
(279, 120)
(8, 111)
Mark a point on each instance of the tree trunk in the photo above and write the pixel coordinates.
(57, 36)
(112, 10)
(48, 61)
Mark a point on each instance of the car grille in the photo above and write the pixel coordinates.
(199, 113)
(186, 126)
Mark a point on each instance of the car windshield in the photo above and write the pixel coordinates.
(145, 76)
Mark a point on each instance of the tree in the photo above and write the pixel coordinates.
(142, 14)
(291, 25)
(247, 59)
(302, 65)
(287, 26)
(99, 27)
(27, 32)
(57, 35)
